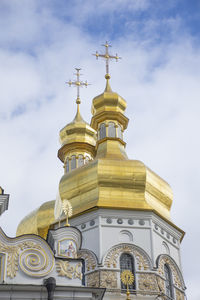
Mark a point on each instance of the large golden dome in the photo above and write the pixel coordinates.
(111, 180)
(38, 221)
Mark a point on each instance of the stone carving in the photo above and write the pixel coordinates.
(161, 284)
(92, 279)
(112, 257)
(108, 279)
(179, 295)
(67, 269)
(167, 260)
(33, 259)
(148, 282)
(90, 259)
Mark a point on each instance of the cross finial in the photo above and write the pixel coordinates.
(78, 83)
(107, 57)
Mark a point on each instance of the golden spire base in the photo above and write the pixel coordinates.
(128, 295)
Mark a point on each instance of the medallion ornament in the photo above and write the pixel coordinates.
(108, 279)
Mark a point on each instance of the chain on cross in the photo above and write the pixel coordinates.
(107, 58)
(78, 83)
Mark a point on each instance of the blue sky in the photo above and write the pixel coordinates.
(41, 42)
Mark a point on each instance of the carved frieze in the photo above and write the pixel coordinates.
(179, 295)
(108, 279)
(92, 279)
(69, 270)
(147, 282)
(29, 256)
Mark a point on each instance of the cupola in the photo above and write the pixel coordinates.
(78, 139)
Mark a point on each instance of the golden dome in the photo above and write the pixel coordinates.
(108, 106)
(112, 180)
(38, 221)
(117, 184)
(77, 136)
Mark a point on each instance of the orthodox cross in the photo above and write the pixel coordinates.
(78, 83)
(107, 57)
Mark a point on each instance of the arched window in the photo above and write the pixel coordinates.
(73, 162)
(87, 159)
(102, 131)
(127, 263)
(111, 129)
(168, 281)
(80, 160)
(119, 132)
(67, 165)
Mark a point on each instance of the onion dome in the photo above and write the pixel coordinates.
(111, 180)
(38, 221)
(77, 138)
(110, 122)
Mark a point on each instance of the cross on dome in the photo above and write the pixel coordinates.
(107, 57)
(78, 83)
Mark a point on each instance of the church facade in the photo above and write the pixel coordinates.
(121, 220)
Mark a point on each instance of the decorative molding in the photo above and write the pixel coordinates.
(33, 260)
(111, 260)
(148, 282)
(67, 269)
(177, 276)
(108, 279)
(92, 279)
(89, 258)
(179, 295)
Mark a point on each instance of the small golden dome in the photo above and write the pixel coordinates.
(77, 135)
(108, 106)
(38, 221)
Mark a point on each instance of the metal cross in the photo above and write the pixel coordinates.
(107, 57)
(78, 83)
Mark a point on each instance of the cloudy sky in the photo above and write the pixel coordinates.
(41, 42)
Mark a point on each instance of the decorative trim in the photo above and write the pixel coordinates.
(177, 275)
(89, 258)
(66, 269)
(111, 259)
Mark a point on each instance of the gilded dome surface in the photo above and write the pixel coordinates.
(77, 135)
(121, 184)
(38, 221)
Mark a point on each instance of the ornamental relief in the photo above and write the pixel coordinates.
(179, 295)
(30, 256)
(66, 269)
(112, 258)
(166, 260)
(108, 279)
(89, 258)
(148, 282)
(92, 279)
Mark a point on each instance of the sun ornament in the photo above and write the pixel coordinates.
(67, 208)
(127, 278)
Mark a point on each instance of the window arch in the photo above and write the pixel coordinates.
(111, 129)
(80, 160)
(67, 165)
(73, 162)
(102, 131)
(168, 281)
(127, 263)
(119, 132)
